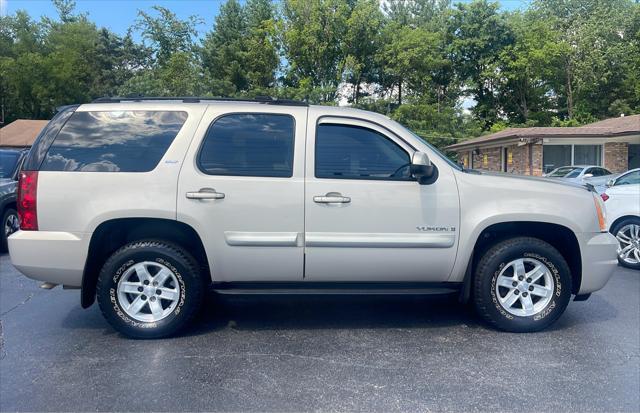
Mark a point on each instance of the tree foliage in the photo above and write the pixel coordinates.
(422, 62)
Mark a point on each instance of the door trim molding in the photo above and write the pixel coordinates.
(261, 239)
(337, 288)
(378, 240)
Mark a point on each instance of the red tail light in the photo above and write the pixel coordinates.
(27, 200)
(604, 196)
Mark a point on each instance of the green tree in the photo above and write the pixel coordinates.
(527, 67)
(479, 35)
(597, 50)
(409, 57)
(262, 56)
(240, 54)
(117, 60)
(224, 51)
(166, 33)
(313, 33)
(362, 42)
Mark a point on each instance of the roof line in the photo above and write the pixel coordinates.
(577, 135)
(200, 99)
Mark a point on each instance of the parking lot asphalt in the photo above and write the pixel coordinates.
(319, 353)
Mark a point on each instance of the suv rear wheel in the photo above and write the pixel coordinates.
(150, 289)
(522, 285)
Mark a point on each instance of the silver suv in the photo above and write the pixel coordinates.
(148, 203)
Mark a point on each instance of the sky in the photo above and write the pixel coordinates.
(119, 15)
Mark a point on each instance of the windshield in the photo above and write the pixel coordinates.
(566, 172)
(8, 161)
(433, 148)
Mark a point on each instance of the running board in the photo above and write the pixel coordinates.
(336, 288)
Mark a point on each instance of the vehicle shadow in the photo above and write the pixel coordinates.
(300, 312)
(294, 312)
(595, 310)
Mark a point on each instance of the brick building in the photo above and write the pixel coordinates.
(612, 143)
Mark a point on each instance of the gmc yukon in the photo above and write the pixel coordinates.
(147, 203)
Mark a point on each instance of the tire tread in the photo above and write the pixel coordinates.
(483, 305)
(192, 266)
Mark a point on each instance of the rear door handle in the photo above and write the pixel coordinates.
(332, 198)
(205, 193)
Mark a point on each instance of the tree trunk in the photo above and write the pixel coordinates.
(400, 93)
(523, 100)
(569, 92)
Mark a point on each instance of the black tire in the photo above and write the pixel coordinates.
(616, 229)
(9, 212)
(186, 271)
(487, 272)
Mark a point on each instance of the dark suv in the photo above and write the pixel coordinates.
(10, 162)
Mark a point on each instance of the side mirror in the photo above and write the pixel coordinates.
(610, 183)
(587, 176)
(422, 169)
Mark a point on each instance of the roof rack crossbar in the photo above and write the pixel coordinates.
(197, 99)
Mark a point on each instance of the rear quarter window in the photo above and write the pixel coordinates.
(113, 141)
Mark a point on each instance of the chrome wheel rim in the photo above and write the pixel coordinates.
(148, 291)
(11, 224)
(524, 287)
(629, 243)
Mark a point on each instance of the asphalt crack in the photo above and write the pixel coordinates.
(23, 302)
(3, 353)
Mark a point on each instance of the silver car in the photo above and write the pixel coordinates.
(592, 174)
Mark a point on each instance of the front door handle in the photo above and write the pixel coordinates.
(205, 193)
(332, 198)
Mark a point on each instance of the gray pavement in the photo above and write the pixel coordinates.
(319, 353)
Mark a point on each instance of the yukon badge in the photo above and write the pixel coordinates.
(427, 228)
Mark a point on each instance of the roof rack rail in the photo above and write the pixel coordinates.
(197, 99)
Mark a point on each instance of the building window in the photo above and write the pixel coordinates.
(555, 156)
(634, 156)
(587, 154)
(465, 161)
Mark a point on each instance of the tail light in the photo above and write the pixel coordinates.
(604, 196)
(27, 200)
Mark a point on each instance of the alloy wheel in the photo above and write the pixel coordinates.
(524, 287)
(629, 243)
(11, 224)
(148, 291)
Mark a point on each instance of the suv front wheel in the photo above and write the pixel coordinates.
(522, 285)
(150, 289)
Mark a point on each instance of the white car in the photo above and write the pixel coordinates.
(622, 200)
(145, 204)
(591, 174)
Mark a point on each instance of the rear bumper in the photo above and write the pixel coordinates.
(599, 260)
(55, 257)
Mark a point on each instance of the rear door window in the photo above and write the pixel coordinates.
(249, 144)
(113, 141)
